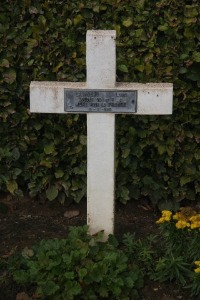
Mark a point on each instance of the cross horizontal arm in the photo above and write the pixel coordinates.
(152, 98)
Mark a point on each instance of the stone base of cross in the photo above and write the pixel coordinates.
(101, 98)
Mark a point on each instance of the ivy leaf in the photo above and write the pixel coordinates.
(126, 152)
(184, 180)
(49, 149)
(77, 19)
(86, 13)
(140, 4)
(191, 11)
(128, 22)
(42, 21)
(196, 56)
(83, 139)
(16, 154)
(12, 186)
(59, 174)
(138, 33)
(124, 194)
(96, 8)
(32, 43)
(183, 70)
(123, 68)
(103, 7)
(38, 126)
(46, 163)
(58, 66)
(163, 27)
(9, 76)
(139, 68)
(188, 32)
(51, 193)
(4, 63)
(79, 170)
(33, 10)
(17, 171)
(161, 149)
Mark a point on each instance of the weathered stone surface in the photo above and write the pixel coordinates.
(101, 73)
(152, 98)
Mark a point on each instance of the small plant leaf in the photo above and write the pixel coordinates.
(52, 193)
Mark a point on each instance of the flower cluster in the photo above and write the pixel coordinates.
(185, 218)
(166, 217)
(195, 221)
(197, 263)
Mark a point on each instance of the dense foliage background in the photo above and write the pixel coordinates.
(157, 41)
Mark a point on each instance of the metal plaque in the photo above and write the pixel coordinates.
(100, 101)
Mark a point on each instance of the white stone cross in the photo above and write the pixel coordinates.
(152, 99)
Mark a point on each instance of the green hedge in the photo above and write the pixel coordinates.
(157, 41)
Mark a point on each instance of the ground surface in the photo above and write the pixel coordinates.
(28, 221)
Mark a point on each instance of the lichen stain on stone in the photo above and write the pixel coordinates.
(55, 97)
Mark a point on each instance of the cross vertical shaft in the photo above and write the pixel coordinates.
(101, 73)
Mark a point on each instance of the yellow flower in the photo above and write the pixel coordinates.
(161, 220)
(195, 225)
(182, 224)
(195, 221)
(197, 263)
(166, 217)
(195, 218)
(177, 216)
(184, 214)
(197, 270)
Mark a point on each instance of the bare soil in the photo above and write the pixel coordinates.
(25, 222)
